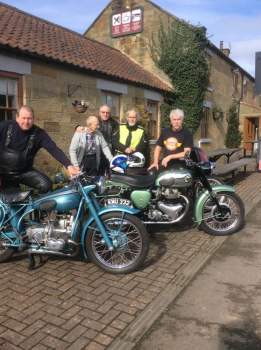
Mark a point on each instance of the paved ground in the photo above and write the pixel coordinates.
(73, 305)
(220, 309)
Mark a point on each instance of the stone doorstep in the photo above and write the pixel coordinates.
(141, 325)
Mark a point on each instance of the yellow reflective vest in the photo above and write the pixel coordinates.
(136, 135)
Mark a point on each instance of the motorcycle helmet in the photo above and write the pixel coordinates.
(119, 163)
(136, 160)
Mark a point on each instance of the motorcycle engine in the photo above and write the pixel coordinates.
(52, 231)
(170, 205)
(169, 193)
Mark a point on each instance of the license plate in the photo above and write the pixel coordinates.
(117, 201)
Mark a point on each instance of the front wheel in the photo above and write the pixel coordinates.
(130, 240)
(226, 221)
(5, 252)
(213, 181)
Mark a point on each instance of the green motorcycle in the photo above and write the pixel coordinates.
(166, 197)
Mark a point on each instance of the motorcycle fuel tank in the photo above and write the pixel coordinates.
(65, 199)
(179, 178)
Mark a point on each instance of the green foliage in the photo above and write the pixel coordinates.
(180, 52)
(233, 136)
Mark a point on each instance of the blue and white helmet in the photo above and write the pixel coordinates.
(119, 163)
(136, 160)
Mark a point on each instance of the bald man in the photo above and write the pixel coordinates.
(87, 147)
(20, 140)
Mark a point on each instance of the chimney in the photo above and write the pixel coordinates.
(117, 5)
(225, 51)
(258, 73)
(122, 4)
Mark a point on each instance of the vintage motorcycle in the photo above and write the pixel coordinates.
(166, 197)
(69, 221)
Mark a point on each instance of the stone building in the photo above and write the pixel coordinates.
(228, 81)
(49, 67)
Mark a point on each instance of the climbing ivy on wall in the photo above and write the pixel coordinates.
(179, 51)
(233, 135)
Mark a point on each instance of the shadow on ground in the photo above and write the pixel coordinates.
(237, 336)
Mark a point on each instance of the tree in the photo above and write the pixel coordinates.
(233, 135)
(179, 51)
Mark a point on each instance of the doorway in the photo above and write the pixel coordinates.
(251, 133)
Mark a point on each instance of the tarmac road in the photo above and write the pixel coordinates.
(221, 308)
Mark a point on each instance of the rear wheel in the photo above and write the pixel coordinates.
(5, 252)
(226, 221)
(130, 239)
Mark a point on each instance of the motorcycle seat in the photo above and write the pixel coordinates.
(137, 181)
(14, 197)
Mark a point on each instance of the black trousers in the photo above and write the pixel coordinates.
(89, 165)
(31, 178)
(104, 165)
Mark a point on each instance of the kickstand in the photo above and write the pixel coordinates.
(32, 263)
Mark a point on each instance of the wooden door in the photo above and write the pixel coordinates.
(249, 133)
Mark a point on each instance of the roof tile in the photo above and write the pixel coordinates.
(36, 36)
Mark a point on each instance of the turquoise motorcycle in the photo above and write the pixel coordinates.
(68, 222)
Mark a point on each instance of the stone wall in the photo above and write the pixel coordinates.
(221, 92)
(136, 46)
(51, 89)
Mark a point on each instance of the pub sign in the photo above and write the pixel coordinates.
(127, 22)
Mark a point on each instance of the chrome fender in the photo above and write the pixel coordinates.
(105, 210)
(198, 209)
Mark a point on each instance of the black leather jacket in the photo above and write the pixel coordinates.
(109, 128)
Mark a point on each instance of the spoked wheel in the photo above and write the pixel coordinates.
(130, 240)
(226, 221)
(5, 252)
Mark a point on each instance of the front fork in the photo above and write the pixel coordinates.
(212, 194)
(93, 207)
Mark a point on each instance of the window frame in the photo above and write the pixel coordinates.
(204, 124)
(157, 120)
(18, 78)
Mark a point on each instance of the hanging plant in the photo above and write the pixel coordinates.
(179, 51)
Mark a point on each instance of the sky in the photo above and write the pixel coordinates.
(236, 22)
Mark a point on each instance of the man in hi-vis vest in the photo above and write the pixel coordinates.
(131, 137)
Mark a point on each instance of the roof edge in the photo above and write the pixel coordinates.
(97, 18)
(229, 60)
(44, 58)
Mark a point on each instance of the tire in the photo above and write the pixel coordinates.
(227, 224)
(5, 253)
(212, 180)
(130, 255)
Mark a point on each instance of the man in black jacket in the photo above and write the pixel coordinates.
(108, 127)
(20, 140)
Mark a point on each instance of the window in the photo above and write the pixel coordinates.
(113, 101)
(204, 123)
(9, 85)
(235, 81)
(153, 119)
(245, 87)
